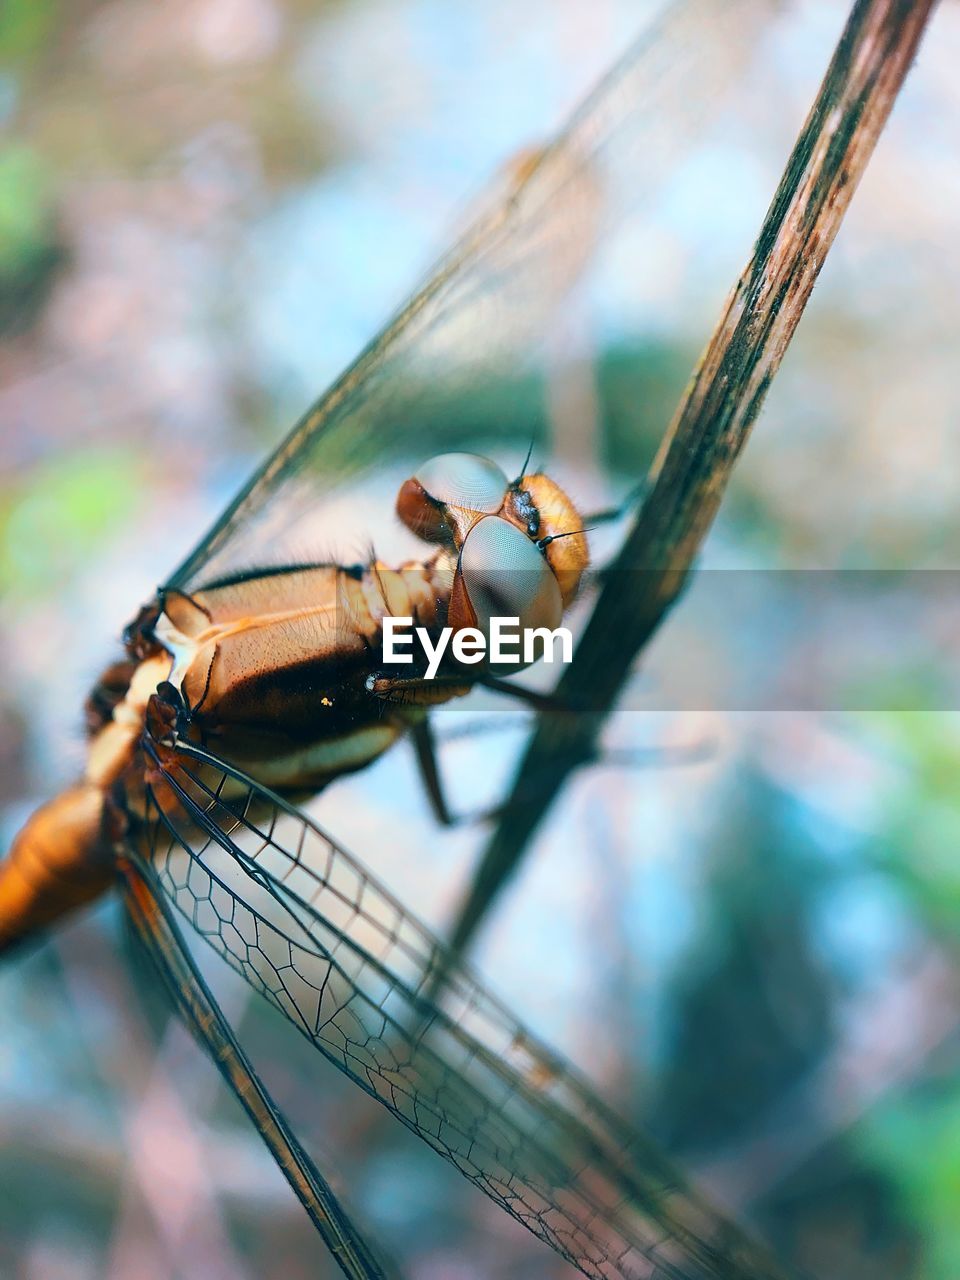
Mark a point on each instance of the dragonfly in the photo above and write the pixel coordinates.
(255, 678)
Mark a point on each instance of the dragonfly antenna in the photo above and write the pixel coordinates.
(526, 461)
(555, 537)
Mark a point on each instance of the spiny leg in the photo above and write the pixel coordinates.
(418, 691)
(657, 757)
(425, 747)
(483, 725)
(696, 752)
(531, 697)
(609, 515)
(198, 1008)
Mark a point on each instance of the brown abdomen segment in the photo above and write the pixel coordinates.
(60, 860)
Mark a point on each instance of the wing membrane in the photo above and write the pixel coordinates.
(314, 932)
(489, 301)
(161, 939)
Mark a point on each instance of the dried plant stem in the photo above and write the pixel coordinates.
(713, 421)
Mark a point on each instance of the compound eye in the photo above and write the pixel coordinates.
(464, 480)
(506, 576)
(443, 499)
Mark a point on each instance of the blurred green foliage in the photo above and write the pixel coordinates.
(30, 253)
(752, 997)
(24, 205)
(917, 1143)
(915, 1138)
(53, 521)
(921, 834)
(25, 26)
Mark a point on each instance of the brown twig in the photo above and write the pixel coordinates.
(713, 421)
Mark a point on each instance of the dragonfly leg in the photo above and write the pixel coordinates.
(196, 1005)
(482, 726)
(656, 757)
(531, 697)
(425, 747)
(418, 691)
(609, 515)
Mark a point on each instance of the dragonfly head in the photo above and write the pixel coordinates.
(520, 546)
(538, 505)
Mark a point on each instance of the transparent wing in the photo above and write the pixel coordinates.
(481, 315)
(313, 931)
(150, 916)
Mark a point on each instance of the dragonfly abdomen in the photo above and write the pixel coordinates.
(61, 859)
(64, 856)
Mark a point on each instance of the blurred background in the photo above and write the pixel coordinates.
(206, 208)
